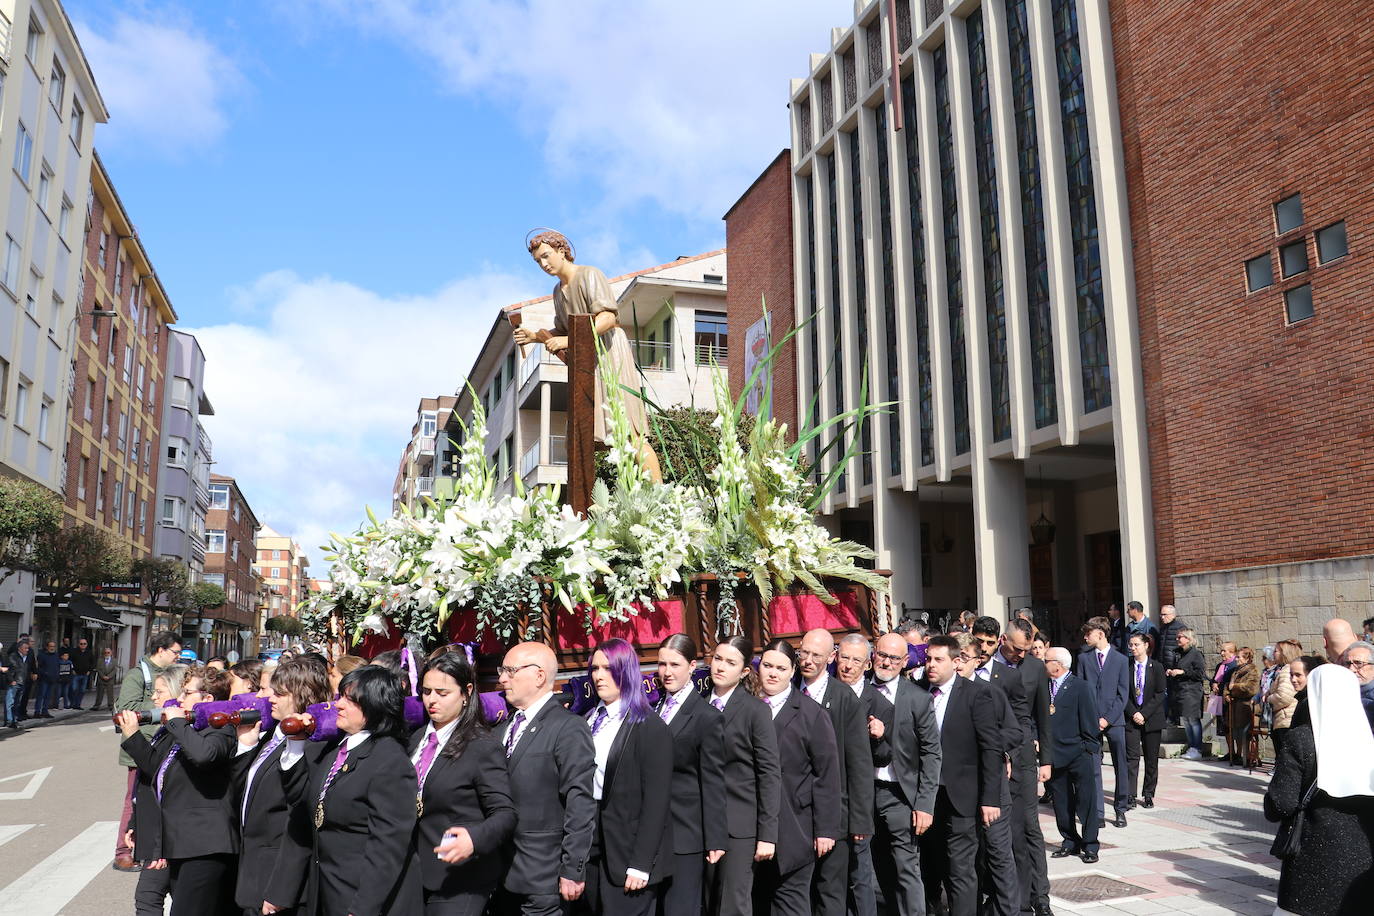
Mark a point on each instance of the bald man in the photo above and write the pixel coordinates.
(849, 718)
(1339, 636)
(551, 760)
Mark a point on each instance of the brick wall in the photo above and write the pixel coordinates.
(758, 237)
(1261, 433)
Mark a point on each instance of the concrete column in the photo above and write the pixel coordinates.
(1000, 534)
(897, 532)
(545, 445)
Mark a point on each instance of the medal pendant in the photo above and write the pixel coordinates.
(419, 805)
(1051, 709)
(319, 815)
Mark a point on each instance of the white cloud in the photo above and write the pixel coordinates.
(314, 405)
(165, 86)
(677, 104)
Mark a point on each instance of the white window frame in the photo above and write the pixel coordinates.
(179, 457)
(21, 404)
(23, 153)
(13, 256)
(215, 490)
(215, 536)
(77, 123)
(34, 43)
(57, 86)
(174, 520)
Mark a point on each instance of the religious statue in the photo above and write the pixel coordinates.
(584, 293)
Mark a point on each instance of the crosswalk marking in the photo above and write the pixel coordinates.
(10, 831)
(30, 788)
(51, 884)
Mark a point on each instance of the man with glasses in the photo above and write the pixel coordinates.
(906, 776)
(830, 882)
(1359, 658)
(852, 662)
(551, 760)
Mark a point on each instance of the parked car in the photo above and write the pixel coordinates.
(269, 655)
(188, 656)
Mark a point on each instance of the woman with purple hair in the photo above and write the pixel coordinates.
(633, 846)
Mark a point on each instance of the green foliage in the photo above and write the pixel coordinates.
(166, 583)
(687, 441)
(27, 510)
(78, 558)
(205, 595)
(286, 625)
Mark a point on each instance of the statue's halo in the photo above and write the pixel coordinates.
(533, 232)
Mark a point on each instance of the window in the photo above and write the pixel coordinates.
(236, 511)
(4, 384)
(12, 256)
(21, 405)
(1293, 258)
(143, 516)
(44, 410)
(1331, 243)
(133, 449)
(171, 511)
(148, 455)
(128, 362)
(711, 339)
(64, 217)
(57, 86)
(23, 152)
(129, 499)
(85, 469)
(35, 36)
(105, 417)
(177, 451)
(214, 579)
(30, 306)
(100, 252)
(1288, 214)
(100, 491)
(219, 495)
(510, 369)
(78, 121)
(234, 549)
(181, 392)
(54, 314)
(114, 345)
(214, 541)
(276, 573)
(427, 428)
(123, 429)
(44, 186)
(138, 391)
(119, 276)
(1298, 303)
(90, 398)
(118, 500)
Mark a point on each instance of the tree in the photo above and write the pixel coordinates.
(68, 560)
(164, 580)
(27, 510)
(205, 595)
(286, 625)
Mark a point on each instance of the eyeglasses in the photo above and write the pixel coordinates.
(1358, 666)
(818, 656)
(510, 670)
(890, 658)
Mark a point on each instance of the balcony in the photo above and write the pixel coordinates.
(532, 460)
(5, 29)
(709, 354)
(426, 445)
(423, 486)
(534, 359)
(656, 355)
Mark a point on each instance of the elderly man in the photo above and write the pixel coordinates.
(551, 759)
(849, 718)
(1075, 744)
(1339, 636)
(1359, 658)
(852, 661)
(1166, 651)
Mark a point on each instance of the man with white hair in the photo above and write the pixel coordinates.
(1075, 746)
(1359, 658)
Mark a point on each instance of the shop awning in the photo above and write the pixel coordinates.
(90, 610)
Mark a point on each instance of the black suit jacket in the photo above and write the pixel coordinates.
(1027, 687)
(698, 783)
(471, 791)
(876, 705)
(197, 806)
(1073, 726)
(849, 720)
(636, 826)
(753, 776)
(551, 784)
(1153, 704)
(1110, 685)
(276, 829)
(913, 746)
(810, 781)
(364, 855)
(971, 767)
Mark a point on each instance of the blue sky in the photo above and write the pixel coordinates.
(335, 192)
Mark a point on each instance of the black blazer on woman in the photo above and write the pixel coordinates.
(472, 791)
(697, 730)
(810, 781)
(197, 807)
(276, 831)
(364, 854)
(753, 778)
(1153, 705)
(636, 828)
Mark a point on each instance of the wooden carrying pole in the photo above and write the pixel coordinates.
(581, 442)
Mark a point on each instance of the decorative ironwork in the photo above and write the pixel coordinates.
(850, 77)
(920, 294)
(894, 428)
(827, 90)
(856, 209)
(933, 10)
(954, 285)
(1094, 361)
(1043, 387)
(994, 302)
(836, 368)
(873, 34)
(903, 25)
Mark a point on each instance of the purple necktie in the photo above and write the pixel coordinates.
(333, 771)
(1101, 660)
(162, 770)
(426, 758)
(716, 702)
(516, 721)
(935, 693)
(1140, 682)
(667, 709)
(599, 721)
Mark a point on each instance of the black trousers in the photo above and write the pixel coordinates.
(733, 885)
(863, 899)
(896, 856)
(1139, 741)
(681, 895)
(150, 894)
(949, 852)
(778, 894)
(1027, 840)
(999, 882)
(1116, 743)
(1074, 785)
(201, 886)
(505, 903)
(830, 881)
(471, 903)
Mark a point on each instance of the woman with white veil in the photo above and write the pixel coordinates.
(1329, 764)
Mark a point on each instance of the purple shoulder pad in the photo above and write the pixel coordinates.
(326, 716)
(493, 707)
(414, 711)
(915, 656)
(202, 711)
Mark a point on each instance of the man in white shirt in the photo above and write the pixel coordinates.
(852, 660)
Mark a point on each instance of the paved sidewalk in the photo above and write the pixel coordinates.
(1203, 849)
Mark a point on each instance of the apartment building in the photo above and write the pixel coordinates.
(183, 482)
(284, 569)
(230, 550)
(49, 106)
(421, 458)
(675, 316)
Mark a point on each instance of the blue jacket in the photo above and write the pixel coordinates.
(47, 666)
(1111, 686)
(1073, 724)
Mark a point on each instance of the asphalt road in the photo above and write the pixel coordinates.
(61, 790)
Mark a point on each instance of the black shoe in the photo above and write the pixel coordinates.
(1089, 858)
(1120, 819)
(1147, 802)
(1047, 799)
(1063, 852)
(46, 715)
(1042, 909)
(1130, 803)
(78, 707)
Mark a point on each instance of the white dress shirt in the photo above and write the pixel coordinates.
(889, 690)
(724, 698)
(816, 689)
(529, 712)
(858, 688)
(354, 740)
(603, 739)
(679, 699)
(941, 701)
(444, 734)
(291, 752)
(776, 703)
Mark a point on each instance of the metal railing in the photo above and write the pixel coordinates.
(424, 486)
(426, 445)
(6, 28)
(536, 356)
(532, 459)
(653, 354)
(711, 354)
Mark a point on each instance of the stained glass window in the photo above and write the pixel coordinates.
(1087, 260)
(894, 428)
(994, 302)
(921, 310)
(954, 286)
(1043, 389)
